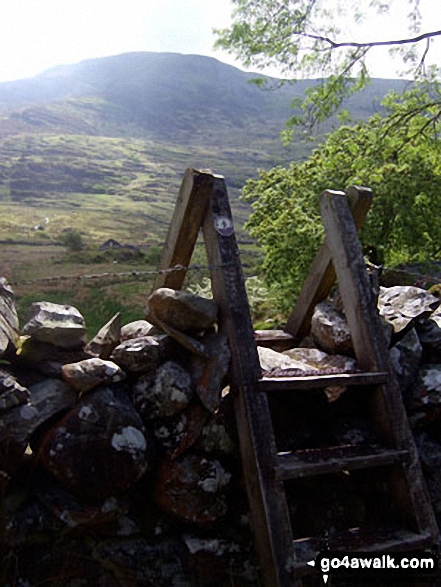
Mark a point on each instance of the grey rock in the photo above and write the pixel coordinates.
(11, 392)
(316, 360)
(400, 305)
(143, 354)
(429, 331)
(330, 330)
(405, 357)
(50, 397)
(9, 327)
(270, 359)
(16, 426)
(136, 329)
(164, 393)
(60, 325)
(46, 358)
(181, 310)
(85, 375)
(107, 338)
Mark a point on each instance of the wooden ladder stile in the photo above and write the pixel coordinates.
(203, 203)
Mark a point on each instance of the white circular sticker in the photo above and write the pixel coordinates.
(224, 225)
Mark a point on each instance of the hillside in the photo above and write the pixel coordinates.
(111, 138)
(100, 147)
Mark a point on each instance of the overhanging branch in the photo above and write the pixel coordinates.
(334, 45)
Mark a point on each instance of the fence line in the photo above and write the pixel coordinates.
(137, 275)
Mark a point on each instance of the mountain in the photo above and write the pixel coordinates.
(101, 145)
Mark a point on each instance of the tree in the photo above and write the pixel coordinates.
(393, 156)
(303, 38)
(72, 240)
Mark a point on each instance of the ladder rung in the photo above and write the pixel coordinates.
(305, 463)
(360, 539)
(320, 381)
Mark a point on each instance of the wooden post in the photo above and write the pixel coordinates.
(271, 524)
(184, 227)
(321, 277)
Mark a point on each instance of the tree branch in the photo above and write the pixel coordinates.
(335, 45)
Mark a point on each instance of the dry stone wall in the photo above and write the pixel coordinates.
(119, 463)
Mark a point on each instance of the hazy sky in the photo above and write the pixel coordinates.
(38, 34)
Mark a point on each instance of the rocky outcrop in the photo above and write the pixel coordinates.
(121, 440)
(122, 453)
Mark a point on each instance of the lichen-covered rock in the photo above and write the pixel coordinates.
(193, 489)
(330, 330)
(46, 358)
(164, 393)
(136, 329)
(60, 325)
(181, 310)
(100, 448)
(400, 305)
(106, 339)
(85, 375)
(425, 400)
(11, 392)
(210, 374)
(9, 327)
(215, 439)
(405, 358)
(143, 354)
(178, 434)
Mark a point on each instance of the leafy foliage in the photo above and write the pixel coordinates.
(303, 38)
(403, 168)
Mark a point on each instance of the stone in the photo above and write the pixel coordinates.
(9, 327)
(330, 330)
(164, 393)
(143, 354)
(193, 489)
(109, 517)
(99, 448)
(45, 357)
(60, 325)
(215, 439)
(425, 400)
(136, 329)
(401, 305)
(270, 360)
(210, 374)
(178, 434)
(181, 310)
(11, 392)
(106, 339)
(316, 360)
(138, 562)
(85, 375)
(187, 342)
(429, 331)
(16, 425)
(51, 397)
(405, 357)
